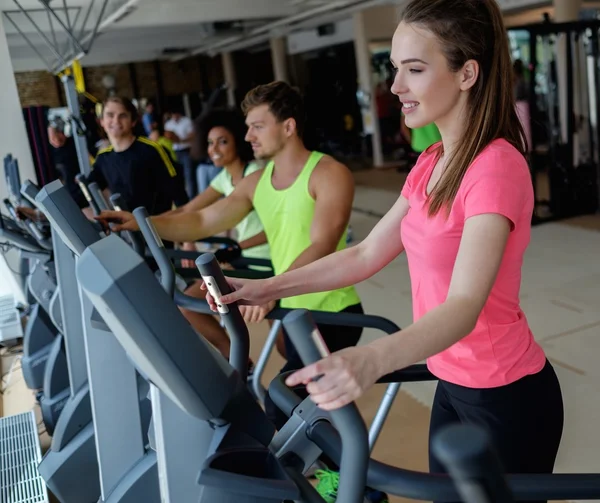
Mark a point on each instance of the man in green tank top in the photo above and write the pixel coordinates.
(304, 200)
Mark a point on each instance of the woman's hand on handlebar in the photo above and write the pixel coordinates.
(246, 292)
(120, 220)
(340, 378)
(251, 295)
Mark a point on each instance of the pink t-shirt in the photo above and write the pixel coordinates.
(501, 349)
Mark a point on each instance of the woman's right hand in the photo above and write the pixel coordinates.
(120, 220)
(246, 292)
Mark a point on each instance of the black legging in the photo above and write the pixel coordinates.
(336, 337)
(524, 419)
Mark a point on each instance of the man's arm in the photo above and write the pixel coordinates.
(219, 217)
(201, 201)
(193, 226)
(332, 186)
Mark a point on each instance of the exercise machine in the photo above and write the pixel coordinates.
(70, 466)
(44, 320)
(120, 408)
(193, 412)
(288, 438)
(563, 107)
(160, 342)
(43, 360)
(158, 251)
(53, 393)
(467, 454)
(44, 363)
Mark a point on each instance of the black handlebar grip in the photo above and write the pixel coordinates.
(29, 191)
(466, 452)
(118, 202)
(98, 196)
(137, 242)
(305, 336)
(11, 210)
(157, 248)
(82, 182)
(232, 317)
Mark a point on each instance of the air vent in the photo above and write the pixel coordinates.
(20, 456)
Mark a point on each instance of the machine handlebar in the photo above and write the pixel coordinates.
(29, 191)
(96, 193)
(118, 202)
(305, 336)
(137, 242)
(28, 225)
(440, 487)
(236, 327)
(157, 248)
(466, 452)
(82, 182)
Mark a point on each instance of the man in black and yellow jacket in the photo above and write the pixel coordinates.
(137, 168)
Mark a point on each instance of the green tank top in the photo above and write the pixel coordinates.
(287, 217)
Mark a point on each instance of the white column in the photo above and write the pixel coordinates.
(13, 140)
(279, 58)
(230, 78)
(566, 11)
(365, 83)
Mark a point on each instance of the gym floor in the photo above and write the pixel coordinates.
(560, 296)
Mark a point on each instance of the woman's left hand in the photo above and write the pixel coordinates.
(343, 377)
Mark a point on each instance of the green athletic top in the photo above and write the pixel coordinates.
(251, 225)
(424, 137)
(287, 217)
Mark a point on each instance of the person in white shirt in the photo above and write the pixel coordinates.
(180, 130)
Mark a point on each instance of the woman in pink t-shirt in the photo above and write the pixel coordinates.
(464, 220)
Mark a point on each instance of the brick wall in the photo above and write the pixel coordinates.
(187, 76)
(93, 80)
(38, 89)
(145, 75)
(181, 77)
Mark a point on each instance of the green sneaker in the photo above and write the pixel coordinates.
(328, 484)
